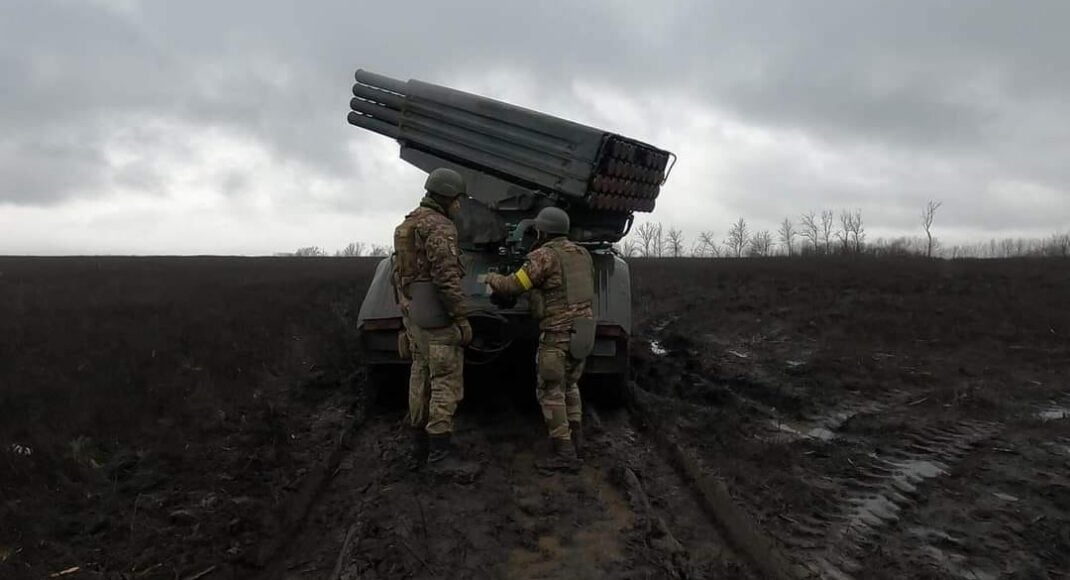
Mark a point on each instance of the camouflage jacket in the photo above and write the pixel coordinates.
(542, 274)
(425, 247)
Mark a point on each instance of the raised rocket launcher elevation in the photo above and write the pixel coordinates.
(505, 152)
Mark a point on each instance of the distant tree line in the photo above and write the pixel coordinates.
(353, 250)
(826, 233)
(813, 233)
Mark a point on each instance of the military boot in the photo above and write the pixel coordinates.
(575, 429)
(445, 461)
(563, 458)
(418, 449)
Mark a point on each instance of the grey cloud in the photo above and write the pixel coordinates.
(46, 168)
(978, 83)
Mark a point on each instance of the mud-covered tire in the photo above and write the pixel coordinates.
(388, 385)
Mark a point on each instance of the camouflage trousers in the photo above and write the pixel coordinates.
(436, 380)
(558, 389)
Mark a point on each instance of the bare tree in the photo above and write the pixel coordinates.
(787, 235)
(852, 233)
(858, 231)
(379, 250)
(659, 242)
(826, 229)
(707, 246)
(649, 238)
(675, 241)
(737, 238)
(353, 250)
(810, 229)
(310, 251)
(927, 216)
(844, 233)
(630, 248)
(761, 243)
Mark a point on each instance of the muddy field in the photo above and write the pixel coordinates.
(209, 418)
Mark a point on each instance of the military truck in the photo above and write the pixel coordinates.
(515, 162)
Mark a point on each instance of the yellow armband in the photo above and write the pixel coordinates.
(522, 277)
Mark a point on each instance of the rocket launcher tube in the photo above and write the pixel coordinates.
(585, 139)
(558, 166)
(375, 125)
(391, 100)
(377, 80)
(490, 127)
(376, 110)
(507, 166)
(429, 115)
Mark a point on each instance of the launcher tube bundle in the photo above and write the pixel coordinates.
(578, 165)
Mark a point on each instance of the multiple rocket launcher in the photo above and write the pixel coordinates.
(576, 164)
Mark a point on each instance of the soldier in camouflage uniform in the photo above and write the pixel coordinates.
(560, 276)
(427, 281)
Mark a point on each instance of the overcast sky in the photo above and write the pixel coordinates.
(196, 127)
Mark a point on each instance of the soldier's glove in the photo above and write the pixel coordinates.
(502, 301)
(466, 331)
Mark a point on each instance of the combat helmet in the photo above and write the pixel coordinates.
(552, 220)
(445, 182)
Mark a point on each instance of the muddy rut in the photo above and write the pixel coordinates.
(625, 514)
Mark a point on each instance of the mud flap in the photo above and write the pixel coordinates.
(581, 343)
(426, 310)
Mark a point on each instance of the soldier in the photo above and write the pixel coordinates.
(560, 276)
(427, 283)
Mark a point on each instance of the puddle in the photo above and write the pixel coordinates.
(657, 349)
(803, 432)
(820, 433)
(1054, 414)
(917, 470)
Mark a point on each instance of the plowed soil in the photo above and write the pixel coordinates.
(211, 418)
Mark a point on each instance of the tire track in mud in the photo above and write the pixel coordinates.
(1006, 513)
(854, 509)
(836, 536)
(839, 536)
(829, 542)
